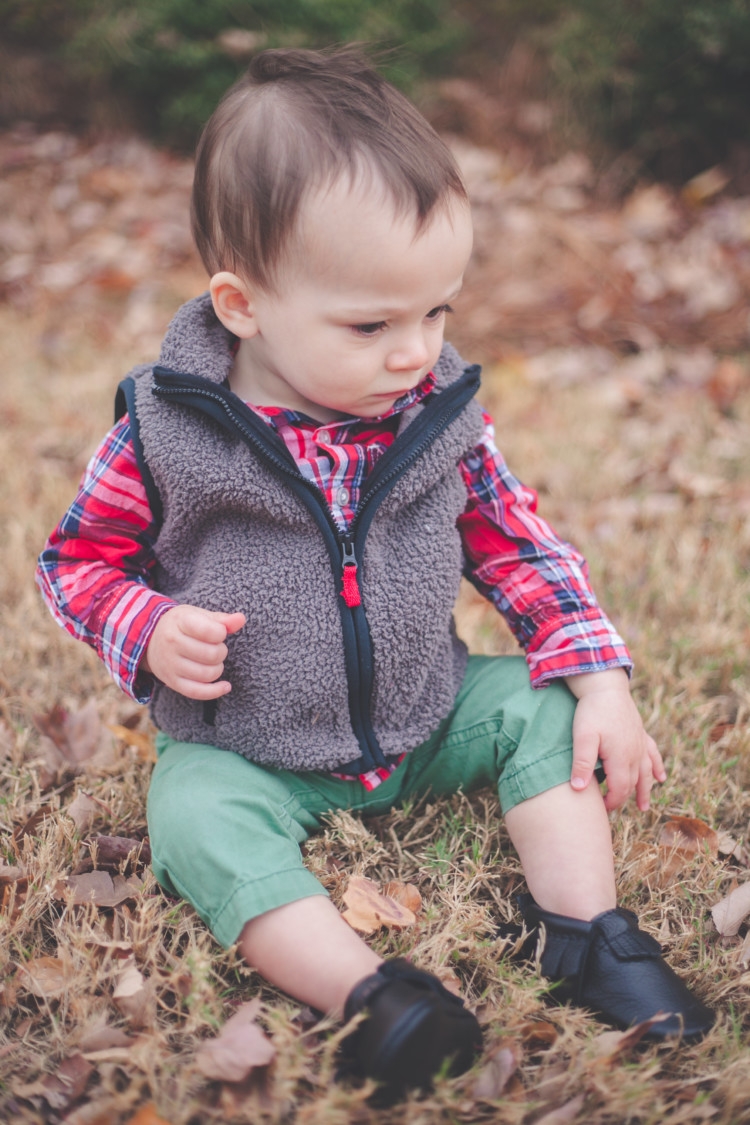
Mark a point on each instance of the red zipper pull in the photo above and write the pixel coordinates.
(350, 591)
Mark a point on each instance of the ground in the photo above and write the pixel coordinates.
(614, 339)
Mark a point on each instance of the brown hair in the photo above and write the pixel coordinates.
(294, 123)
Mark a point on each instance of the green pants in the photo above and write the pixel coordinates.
(226, 833)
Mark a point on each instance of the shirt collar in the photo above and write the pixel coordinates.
(278, 414)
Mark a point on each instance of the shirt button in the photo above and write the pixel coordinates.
(342, 496)
(324, 437)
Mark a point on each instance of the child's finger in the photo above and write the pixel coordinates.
(643, 789)
(232, 622)
(657, 762)
(194, 689)
(585, 755)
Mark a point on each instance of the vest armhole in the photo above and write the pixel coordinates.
(125, 404)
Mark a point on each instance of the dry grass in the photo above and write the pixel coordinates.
(624, 480)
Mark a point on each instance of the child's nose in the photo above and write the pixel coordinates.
(409, 354)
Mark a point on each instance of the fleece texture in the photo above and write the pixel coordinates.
(234, 537)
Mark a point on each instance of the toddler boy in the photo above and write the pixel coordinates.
(267, 548)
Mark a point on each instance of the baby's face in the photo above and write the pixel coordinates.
(360, 312)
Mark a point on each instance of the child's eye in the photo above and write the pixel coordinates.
(438, 311)
(368, 329)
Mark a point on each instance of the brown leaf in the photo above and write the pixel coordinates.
(99, 1036)
(564, 1114)
(610, 1045)
(369, 909)
(496, 1073)
(538, 1034)
(44, 977)
(728, 380)
(82, 811)
(449, 979)
(406, 894)
(99, 888)
(77, 735)
(113, 851)
(61, 1089)
(135, 996)
(730, 912)
(240, 1047)
(31, 826)
(689, 836)
(147, 1115)
(142, 743)
(10, 875)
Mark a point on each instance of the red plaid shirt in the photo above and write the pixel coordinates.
(95, 571)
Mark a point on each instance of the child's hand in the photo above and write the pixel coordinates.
(607, 725)
(187, 651)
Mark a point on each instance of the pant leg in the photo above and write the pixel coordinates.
(501, 733)
(225, 835)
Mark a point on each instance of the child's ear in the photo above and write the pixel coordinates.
(233, 304)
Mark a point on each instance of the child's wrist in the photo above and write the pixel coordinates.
(590, 683)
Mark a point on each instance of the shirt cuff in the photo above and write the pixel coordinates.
(124, 624)
(571, 646)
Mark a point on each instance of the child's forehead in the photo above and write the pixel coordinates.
(355, 235)
(355, 200)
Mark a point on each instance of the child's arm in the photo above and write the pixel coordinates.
(538, 582)
(540, 585)
(95, 570)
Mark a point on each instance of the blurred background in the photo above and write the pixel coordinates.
(662, 84)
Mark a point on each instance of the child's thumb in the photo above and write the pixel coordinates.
(232, 622)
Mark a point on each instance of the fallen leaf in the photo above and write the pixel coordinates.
(406, 894)
(729, 379)
(449, 979)
(564, 1114)
(99, 1036)
(61, 1089)
(730, 912)
(369, 909)
(610, 1045)
(240, 1047)
(142, 743)
(32, 824)
(147, 1115)
(496, 1073)
(114, 851)
(99, 888)
(44, 977)
(134, 996)
(10, 875)
(538, 1034)
(718, 730)
(77, 735)
(82, 811)
(689, 833)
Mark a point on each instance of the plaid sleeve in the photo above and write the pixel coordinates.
(95, 570)
(537, 582)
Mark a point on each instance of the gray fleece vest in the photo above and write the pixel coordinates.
(349, 655)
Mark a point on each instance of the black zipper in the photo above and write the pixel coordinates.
(345, 549)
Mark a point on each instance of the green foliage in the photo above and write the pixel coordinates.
(171, 60)
(667, 79)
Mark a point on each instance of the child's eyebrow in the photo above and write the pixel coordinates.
(371, 313)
